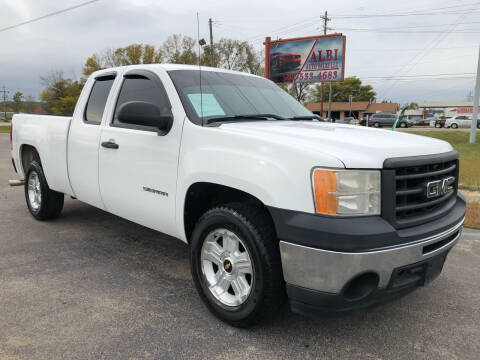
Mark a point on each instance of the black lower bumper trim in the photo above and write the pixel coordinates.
(403, 281)
(313, 303)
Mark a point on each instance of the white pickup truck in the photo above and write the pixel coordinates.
(273, 202)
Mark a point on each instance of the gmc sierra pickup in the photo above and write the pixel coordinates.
(273, 203)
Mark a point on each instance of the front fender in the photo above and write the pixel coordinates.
(276, 174)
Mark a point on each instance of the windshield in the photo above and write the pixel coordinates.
(228, 95)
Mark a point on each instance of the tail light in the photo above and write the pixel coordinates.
(11, 137)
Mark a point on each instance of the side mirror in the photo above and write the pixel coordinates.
(145, 114)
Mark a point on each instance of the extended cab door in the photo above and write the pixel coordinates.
(84, 137)
(138, 167)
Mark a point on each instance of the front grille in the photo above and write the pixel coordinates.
(407, 203)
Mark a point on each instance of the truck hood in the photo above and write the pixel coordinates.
(354, 146)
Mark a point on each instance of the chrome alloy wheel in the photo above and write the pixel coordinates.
(227, 267)
(34, 191)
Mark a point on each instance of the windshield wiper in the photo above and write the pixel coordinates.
(244, 117)
(307, 117)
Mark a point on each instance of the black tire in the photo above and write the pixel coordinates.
(51, 203)
(478, 125)
(376, 124)
(403, 125)
(254, 227)
(454, 126)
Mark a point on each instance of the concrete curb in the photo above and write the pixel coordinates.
(469, 187)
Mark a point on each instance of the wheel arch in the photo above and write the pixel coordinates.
(203, 195)
(28, 153)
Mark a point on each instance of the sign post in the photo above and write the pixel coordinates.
(473, 130)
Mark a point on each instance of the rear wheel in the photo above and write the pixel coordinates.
(403, 125)
(376, 124)
(235, 263)
(454, 126)
(42, 202)
(437, 125)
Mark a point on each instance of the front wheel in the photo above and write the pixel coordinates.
(454, 126)
(43, 203)
(235, 263)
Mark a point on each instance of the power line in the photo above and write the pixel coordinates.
(411, 32)
(418, 75)
(409, 66)
(48, 15)
(462, 11)
(411, 27)
(412, 49)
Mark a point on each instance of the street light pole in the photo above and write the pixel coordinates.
(473, 130)
(212, 61)
(350, 99)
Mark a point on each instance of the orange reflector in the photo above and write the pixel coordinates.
(324, 188)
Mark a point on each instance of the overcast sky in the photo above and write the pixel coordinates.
(427, 39)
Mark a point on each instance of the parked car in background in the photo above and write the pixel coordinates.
(350, 120)
(387, 119)
(346, 120)
(440, 123)
(460, 121)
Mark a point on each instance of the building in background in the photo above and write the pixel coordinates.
(360, 109)
(449, 108)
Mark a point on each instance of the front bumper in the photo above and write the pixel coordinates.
(330, 269)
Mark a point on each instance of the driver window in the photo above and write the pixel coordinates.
(140, 88)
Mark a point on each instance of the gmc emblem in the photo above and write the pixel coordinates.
(439, 187)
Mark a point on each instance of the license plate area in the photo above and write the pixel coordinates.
(418, 274)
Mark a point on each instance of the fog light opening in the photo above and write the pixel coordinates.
(360, 286)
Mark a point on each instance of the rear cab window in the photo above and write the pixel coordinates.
(97, 99)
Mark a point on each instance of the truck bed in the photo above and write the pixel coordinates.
(49, 135)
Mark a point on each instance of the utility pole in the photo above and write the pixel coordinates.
(4, 97)
(476, 94)
(212, 62)
(325, 19)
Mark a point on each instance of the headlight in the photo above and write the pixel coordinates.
(346, 192)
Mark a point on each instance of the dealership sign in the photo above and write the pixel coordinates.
(305, 60)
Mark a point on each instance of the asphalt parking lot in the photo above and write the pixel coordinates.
(91, 285)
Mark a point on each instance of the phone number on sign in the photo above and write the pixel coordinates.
(311, 76)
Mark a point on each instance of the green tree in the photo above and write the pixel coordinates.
(235, 55)
(60, 94)
(300, 91)
(17, 101)
(179, 49)
(342, 90)
(412, 106)
(129, 55)
(29, 104)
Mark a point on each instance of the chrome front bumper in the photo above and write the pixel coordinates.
(329, 271)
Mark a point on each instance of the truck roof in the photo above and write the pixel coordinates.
(170, 67)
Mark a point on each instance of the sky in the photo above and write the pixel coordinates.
(411, 50)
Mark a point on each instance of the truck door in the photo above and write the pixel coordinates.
(84, 137)
(138, 167)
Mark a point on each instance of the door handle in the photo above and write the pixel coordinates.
(110, 145)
